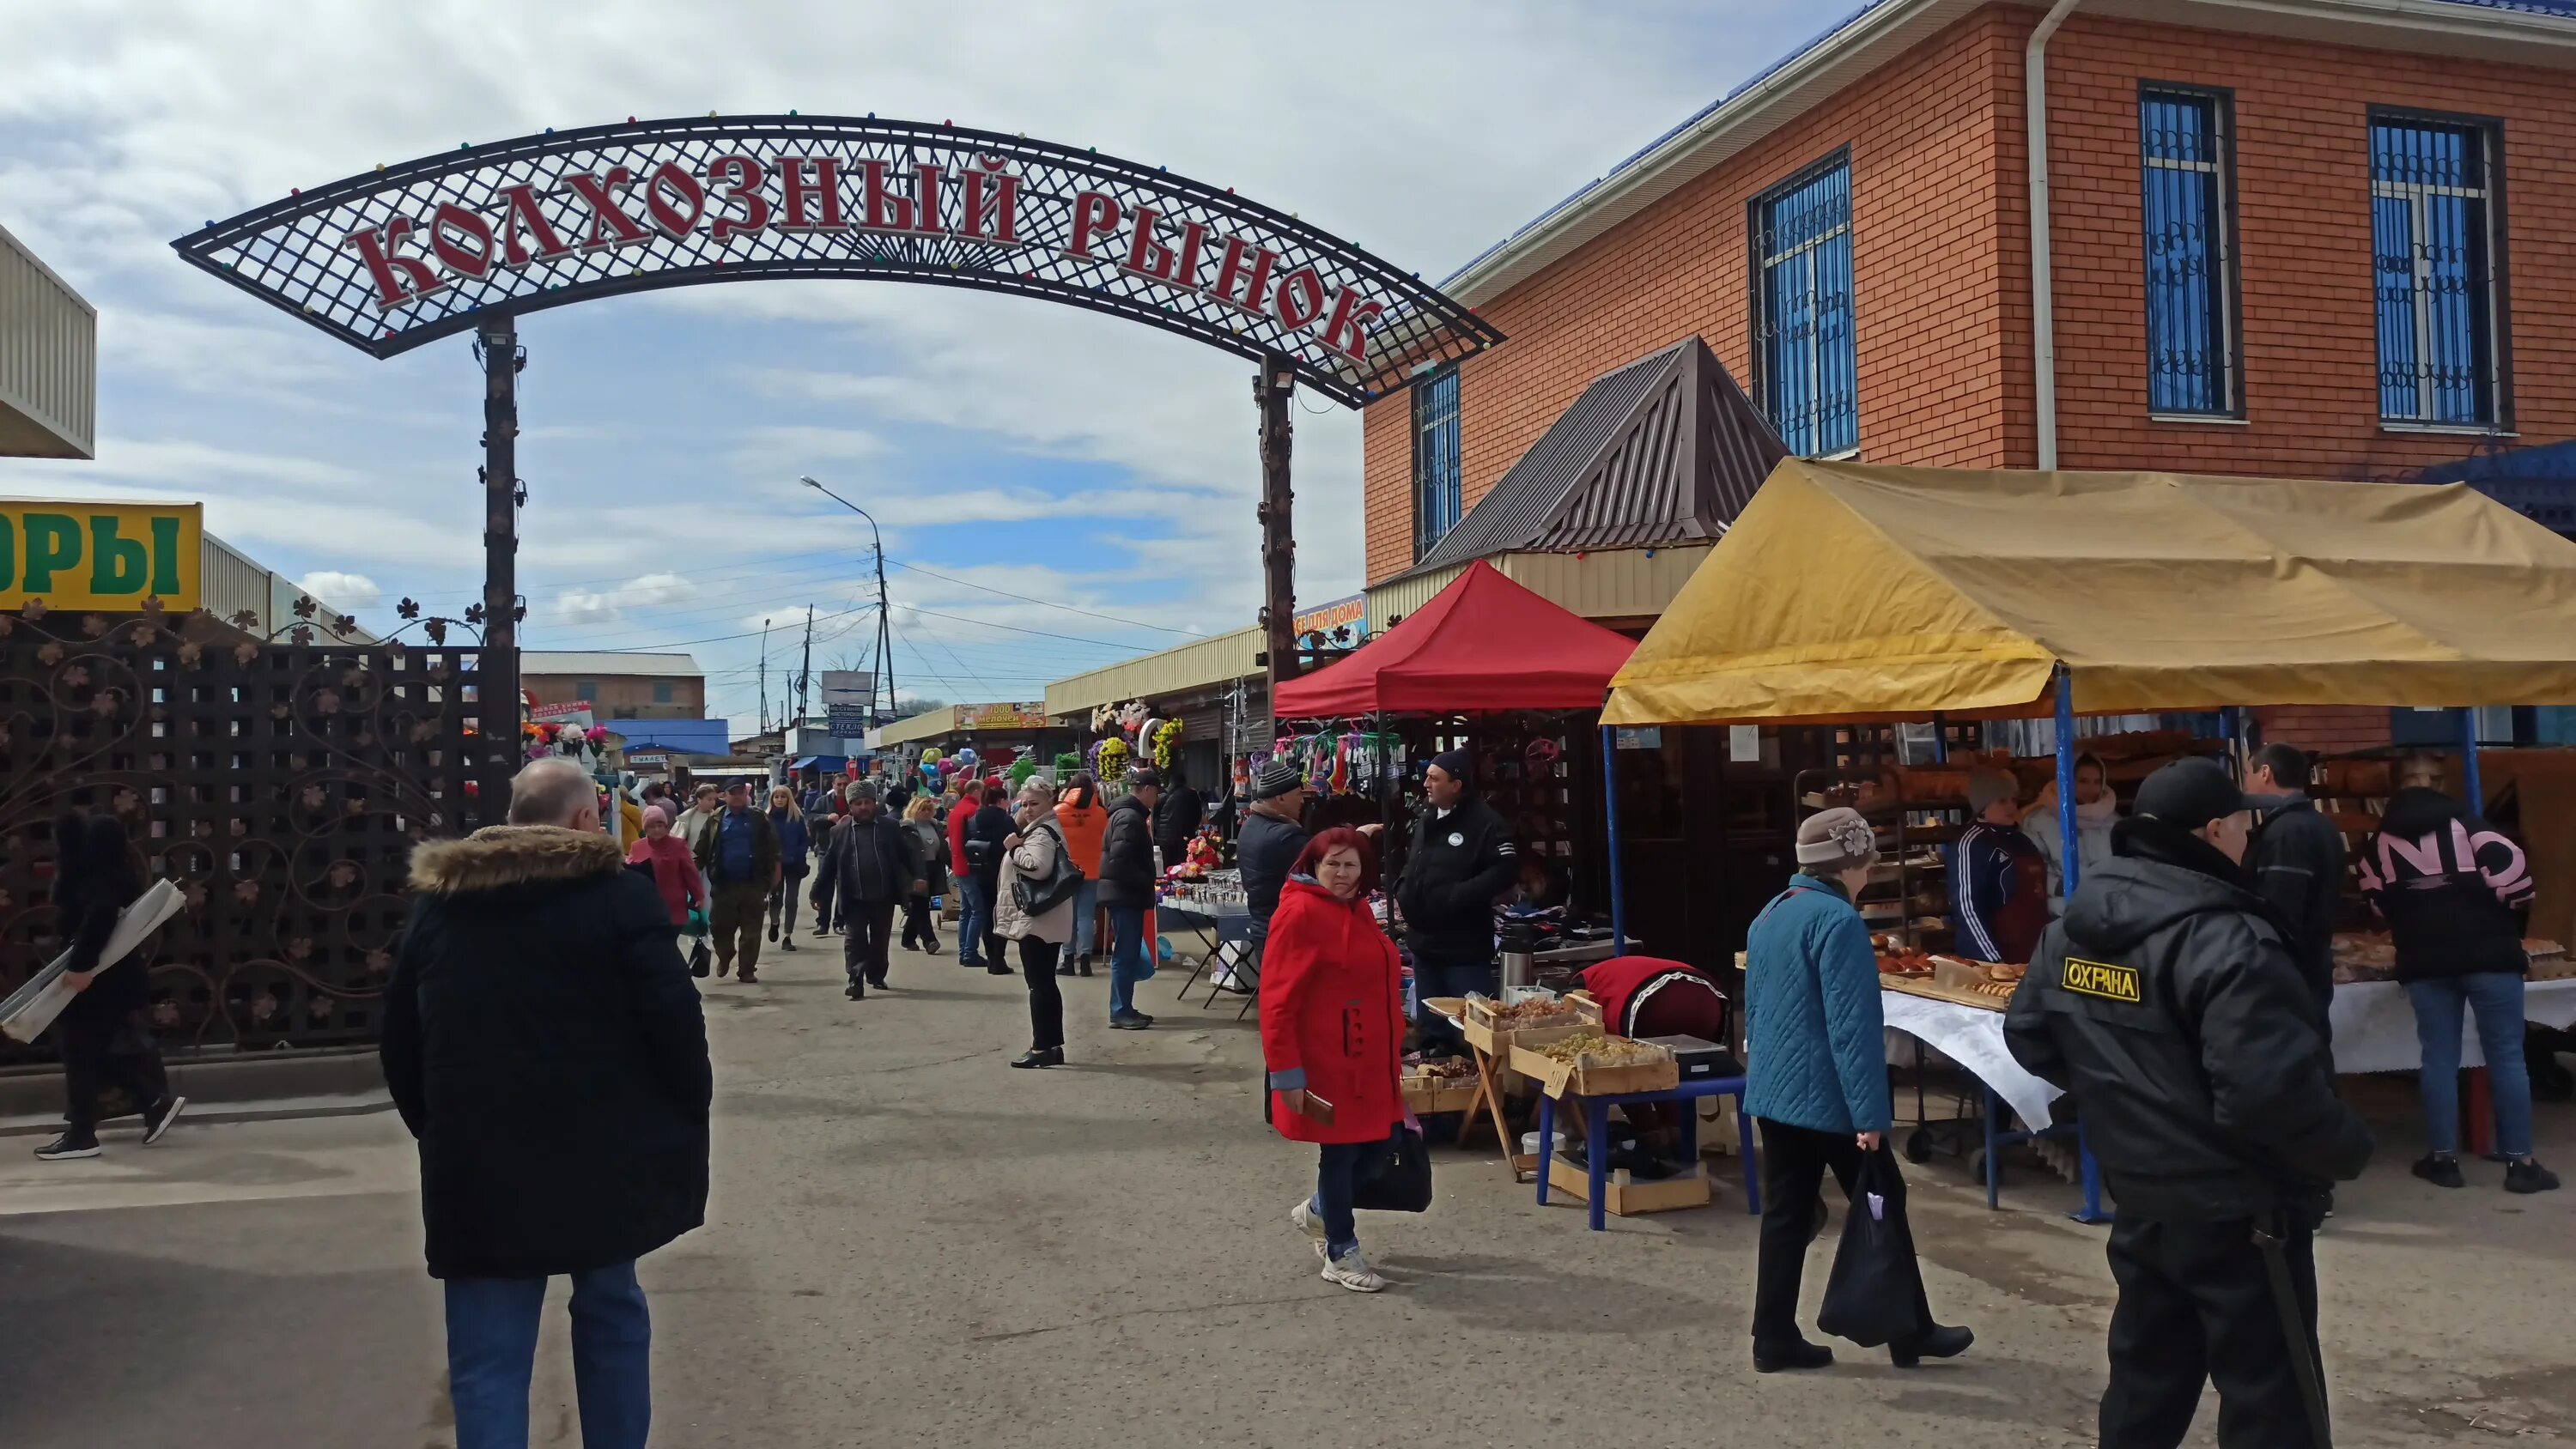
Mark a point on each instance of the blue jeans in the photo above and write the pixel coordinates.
(1086, 910)
(1127, 961)
(2439, 1007)
(974, 917)
(1335, 1176)
(492, 1352)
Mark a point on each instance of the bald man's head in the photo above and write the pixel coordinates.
(554, 792)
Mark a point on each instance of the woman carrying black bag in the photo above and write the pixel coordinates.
(1815, 1049)
(1332, 1037)
(1033, 903)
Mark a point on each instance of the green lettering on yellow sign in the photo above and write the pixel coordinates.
(108, 557)
(2102, 979)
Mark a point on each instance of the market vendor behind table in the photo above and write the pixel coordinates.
(1461, 863)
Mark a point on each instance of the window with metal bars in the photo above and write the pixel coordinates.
(1803, 348)
(1436, 488)
(2433, 252)
(2187, 190)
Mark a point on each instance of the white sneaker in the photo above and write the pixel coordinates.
(1304, 1220)
(1352, 1271)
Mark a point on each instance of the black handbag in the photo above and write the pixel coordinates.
(1037, 897)
(1396, 1176)
(1871, 1297)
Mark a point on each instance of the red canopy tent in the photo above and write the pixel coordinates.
(1481, 645)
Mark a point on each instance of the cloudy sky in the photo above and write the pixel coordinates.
(1009, 447)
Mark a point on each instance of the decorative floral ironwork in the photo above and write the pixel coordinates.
(281, 786)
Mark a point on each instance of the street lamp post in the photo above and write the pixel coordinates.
(885, 621)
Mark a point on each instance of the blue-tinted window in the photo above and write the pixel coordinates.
(2432, 251)
(1436, 498)
(1802, 242)
(2187, 196)
(661, 692)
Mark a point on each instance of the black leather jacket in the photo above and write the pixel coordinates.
(2166, 1002)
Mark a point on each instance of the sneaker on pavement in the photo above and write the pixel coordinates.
(1302, 1218)
(1130, 1021)
(2529, 1176)
(789, 944)
(1351, 1270)
(69, 1145)
(2439, 1170)
(157, 1120)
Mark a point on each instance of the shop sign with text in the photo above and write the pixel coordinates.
(101, 556)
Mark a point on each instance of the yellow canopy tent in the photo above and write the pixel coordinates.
(1856, 593)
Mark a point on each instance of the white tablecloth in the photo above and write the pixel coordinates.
(1973, 1037)
(2374, 1024)
(2374, 1031)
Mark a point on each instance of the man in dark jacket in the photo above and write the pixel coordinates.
(1177, 816)
(2453, 888)
(2296, 860)
(1462, 861)
(2166, 1002)
(544, 1043)
(101, 1032)
(739, 852)
(1127, 891)
(1274, 835)
(872, 862)
(983, 838)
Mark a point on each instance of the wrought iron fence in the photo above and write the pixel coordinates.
(280, 786)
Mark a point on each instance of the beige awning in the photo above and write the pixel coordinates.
(1850, 592)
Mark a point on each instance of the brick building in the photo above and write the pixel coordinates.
(618, 686)
(2315, 238)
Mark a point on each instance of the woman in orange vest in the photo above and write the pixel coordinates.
(1082, 818)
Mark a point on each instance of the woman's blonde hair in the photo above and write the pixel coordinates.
(1038, 792)
(794, 811)
(921, 808)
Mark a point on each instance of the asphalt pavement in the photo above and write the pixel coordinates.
(911, 1243)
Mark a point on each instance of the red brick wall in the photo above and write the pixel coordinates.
(2303, 189)
(1941, 253)
(1929, 295)
(2324, 729)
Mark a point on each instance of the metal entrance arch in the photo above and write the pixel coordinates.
(474, 238)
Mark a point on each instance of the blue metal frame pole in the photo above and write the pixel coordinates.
(1610, 802)
(2469, 760)
(2066, 772)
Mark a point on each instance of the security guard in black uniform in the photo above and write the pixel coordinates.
(2167, 1004)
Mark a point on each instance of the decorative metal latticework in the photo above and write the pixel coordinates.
(389, 259)
(280, 786)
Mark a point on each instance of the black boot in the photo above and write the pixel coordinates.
(1051, 1057)
(1933, 1342)
(1791, 1354)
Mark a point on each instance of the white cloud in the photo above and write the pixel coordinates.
(577, 607)
(345, 592)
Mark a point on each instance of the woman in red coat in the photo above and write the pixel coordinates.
(1332, 1036)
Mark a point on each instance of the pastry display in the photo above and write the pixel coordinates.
(1591, 1048)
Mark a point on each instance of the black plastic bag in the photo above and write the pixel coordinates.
(1870, 1299)
(1396, 1176)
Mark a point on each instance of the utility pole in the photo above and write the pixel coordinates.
(805, 671)
(885, 642)
(764, 676)
(1273, 387)
(496, 669)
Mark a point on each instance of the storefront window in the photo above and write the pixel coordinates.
(1436, 488)
(2432, 247)
(1802, 243)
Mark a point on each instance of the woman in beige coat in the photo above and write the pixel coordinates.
(1033, 853)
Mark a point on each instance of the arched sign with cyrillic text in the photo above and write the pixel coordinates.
(392, 258)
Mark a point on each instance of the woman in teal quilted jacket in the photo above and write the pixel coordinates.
(1814, 1045)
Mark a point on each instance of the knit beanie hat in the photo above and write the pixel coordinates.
(1276, 778)
(1836, 840)
(1987, 787)
(1456, 765)
(656, 812)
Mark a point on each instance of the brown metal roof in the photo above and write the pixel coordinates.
(1665, 450)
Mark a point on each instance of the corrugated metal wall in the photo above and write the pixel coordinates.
(48, 360)
(1177, 670)
(1623, 583)
(233, 583)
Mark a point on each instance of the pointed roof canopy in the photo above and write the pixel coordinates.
(1484, 644)
(1665, 450)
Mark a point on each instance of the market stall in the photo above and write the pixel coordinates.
(1847, 593)
(1491, 668)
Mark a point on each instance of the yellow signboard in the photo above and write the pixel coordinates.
(101, 556)
(1002, 716)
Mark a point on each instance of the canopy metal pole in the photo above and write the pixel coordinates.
(2469, 760)
(2066, 773)
(1610, 801)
